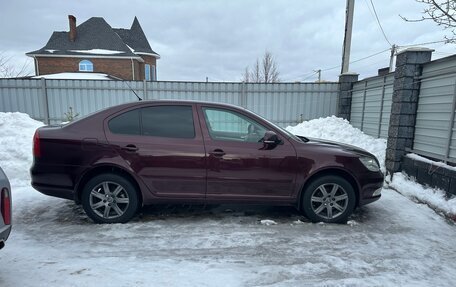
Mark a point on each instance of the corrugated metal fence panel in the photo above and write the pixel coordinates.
(387, 102)
(433, 115)
(356, 116)
(22, 96)
(213, 92)
(452, 153)
(435, 129)
(371, 105)
(297, 101)
(86, 97)
(284, 103)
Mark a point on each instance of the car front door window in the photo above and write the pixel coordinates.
(230, 126)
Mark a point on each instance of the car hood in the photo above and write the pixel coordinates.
(338, 146)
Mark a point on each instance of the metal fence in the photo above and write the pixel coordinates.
(371, 105)
(283, 103)
(435, 129)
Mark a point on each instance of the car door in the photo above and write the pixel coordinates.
(163, 146)
(238, 165)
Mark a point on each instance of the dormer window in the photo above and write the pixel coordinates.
(85, 66)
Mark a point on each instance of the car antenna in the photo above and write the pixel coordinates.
(132, 90)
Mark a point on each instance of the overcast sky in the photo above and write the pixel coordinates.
(218, 39)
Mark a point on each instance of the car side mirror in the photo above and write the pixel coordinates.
(270, 140)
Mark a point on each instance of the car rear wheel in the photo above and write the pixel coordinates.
(109, 198)
(329, 199)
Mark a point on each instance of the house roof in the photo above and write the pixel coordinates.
(95, 37)
(76, 76)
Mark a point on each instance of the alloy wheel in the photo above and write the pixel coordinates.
(109, 200)
(329, 200)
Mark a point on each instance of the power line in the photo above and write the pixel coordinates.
(311, 75)
(369, 8)
(425, 43)
(379, 24)
(358, 60)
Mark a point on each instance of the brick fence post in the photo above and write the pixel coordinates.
(346, 82)
(409, 64)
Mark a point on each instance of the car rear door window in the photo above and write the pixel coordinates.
(168, 121)
(126, 123)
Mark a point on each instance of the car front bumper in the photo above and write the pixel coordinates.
(371, 188)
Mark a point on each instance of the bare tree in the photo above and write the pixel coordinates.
(246, 75)
(266, 72)
(269, 72)
(8, 70)
(442, 12)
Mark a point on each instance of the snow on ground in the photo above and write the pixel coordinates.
(392, 242)
(340, 130)
(426, 160)
(435, 198)
(75, 76)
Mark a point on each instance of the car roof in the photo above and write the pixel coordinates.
(178, 101)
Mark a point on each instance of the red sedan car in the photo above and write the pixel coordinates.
(118, 159)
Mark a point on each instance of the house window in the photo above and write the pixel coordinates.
(147, 72)
(154, 73)
(85, 66)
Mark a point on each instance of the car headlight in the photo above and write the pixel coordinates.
(370, 163)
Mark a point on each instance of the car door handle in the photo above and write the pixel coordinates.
(129, 147)
(217, 153)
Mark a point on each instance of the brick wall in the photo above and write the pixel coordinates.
(120, 68)
(152, 61)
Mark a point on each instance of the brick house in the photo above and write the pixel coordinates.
(94, 46)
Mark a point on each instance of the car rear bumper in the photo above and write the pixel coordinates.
(4, 234)
(53, 180)
(60, 192)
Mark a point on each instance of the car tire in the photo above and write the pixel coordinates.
(109, 198)
(329, 199)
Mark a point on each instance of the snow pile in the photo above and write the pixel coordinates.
(433, 197)
(17, 130)
(339, 130)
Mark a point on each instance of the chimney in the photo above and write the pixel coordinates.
(72, 33)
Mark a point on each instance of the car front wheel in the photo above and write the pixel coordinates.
(329, 199)
(109, 198)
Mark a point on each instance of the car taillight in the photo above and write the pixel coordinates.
(6, 206)
(36, 145)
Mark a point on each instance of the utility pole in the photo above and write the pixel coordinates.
(393, 52)
(348, 34)
(319, 74)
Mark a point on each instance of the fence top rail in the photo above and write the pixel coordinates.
(387, 76)
(183, 82)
